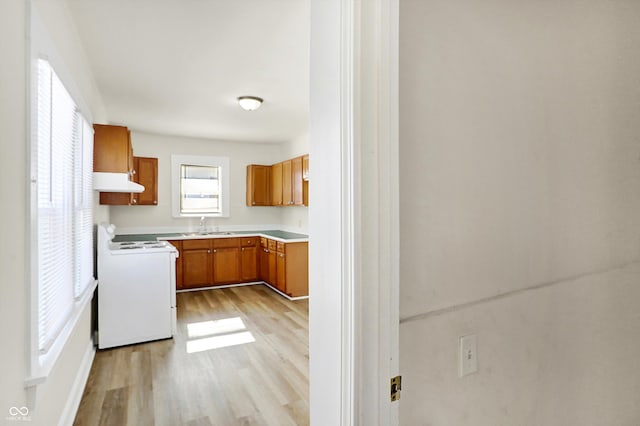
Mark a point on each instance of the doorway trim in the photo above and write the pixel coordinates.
(354, 216)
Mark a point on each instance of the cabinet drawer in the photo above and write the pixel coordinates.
(280, 247)
(249, 242)
(196, 244)
(271, 245)
(263, 242)
(226, 242)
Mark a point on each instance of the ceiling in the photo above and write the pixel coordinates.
(177, 66)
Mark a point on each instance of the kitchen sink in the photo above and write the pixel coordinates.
(202, 234)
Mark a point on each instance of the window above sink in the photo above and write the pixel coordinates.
(200, 186)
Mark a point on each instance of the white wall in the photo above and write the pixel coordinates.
(159, 218)
(14, 313)
(13, 162)
(520, 210)
(295, 218)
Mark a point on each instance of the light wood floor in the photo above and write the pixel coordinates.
(264, 382)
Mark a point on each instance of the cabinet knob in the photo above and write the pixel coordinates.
(155, 201)
(253, 203)
(215, 251)
(242, 248)
(208, 251)
(135, 201)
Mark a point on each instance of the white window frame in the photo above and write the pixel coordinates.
(39, 365)
(177, 161)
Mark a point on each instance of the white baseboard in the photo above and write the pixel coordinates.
(241, 285)
(75, 395)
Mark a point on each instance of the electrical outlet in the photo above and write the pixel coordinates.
(468, 355)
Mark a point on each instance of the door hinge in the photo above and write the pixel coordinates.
(396, 387)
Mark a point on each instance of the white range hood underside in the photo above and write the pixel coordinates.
(114, 182)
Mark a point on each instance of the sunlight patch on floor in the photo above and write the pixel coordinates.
(215, 334)
(215, 327)
(216, 342)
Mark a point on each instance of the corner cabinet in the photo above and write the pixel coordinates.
(292, 269)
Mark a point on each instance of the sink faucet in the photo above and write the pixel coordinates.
(203, 226)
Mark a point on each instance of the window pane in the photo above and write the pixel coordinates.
(55, 176)
(199, 189)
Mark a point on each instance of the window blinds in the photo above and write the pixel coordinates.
(64, 205)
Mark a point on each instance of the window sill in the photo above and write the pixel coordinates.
(43, 365)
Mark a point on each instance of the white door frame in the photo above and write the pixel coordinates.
(353, 216)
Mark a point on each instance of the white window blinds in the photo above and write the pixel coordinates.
(64, 205)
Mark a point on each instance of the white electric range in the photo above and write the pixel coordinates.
(136, 290)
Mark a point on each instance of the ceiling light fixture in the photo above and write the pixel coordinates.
(249, 103)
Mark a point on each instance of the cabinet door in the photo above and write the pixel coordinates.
(146, 174)
(226, 265)
(258, 185)
(196, 268)
(264, 264)
(249, 263)
(276, 184)
(112, 150)
(281, 271)
(178, 245)
(305, 167)
(287, 188)
(116, 198)
(296, 182)
(297, 269)
(271, 261)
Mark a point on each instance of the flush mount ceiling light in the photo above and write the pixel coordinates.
(249, 103)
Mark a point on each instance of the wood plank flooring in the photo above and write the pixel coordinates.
(194, 379)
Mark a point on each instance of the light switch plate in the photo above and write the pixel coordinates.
(468, 355)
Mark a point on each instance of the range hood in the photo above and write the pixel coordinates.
(114, 182)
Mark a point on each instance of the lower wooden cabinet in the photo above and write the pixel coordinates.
(293, 269)
(195, 264)
(220, 261)
(281, 276)
(226, 261)
(249, 259)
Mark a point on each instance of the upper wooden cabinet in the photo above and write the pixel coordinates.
(145, 172)
(287, 184)
(296, 181)
(258, 185)
(112, 151)
(281, 184)
(292, 182)
(305, 180)
(276, 185)
(305, 167)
